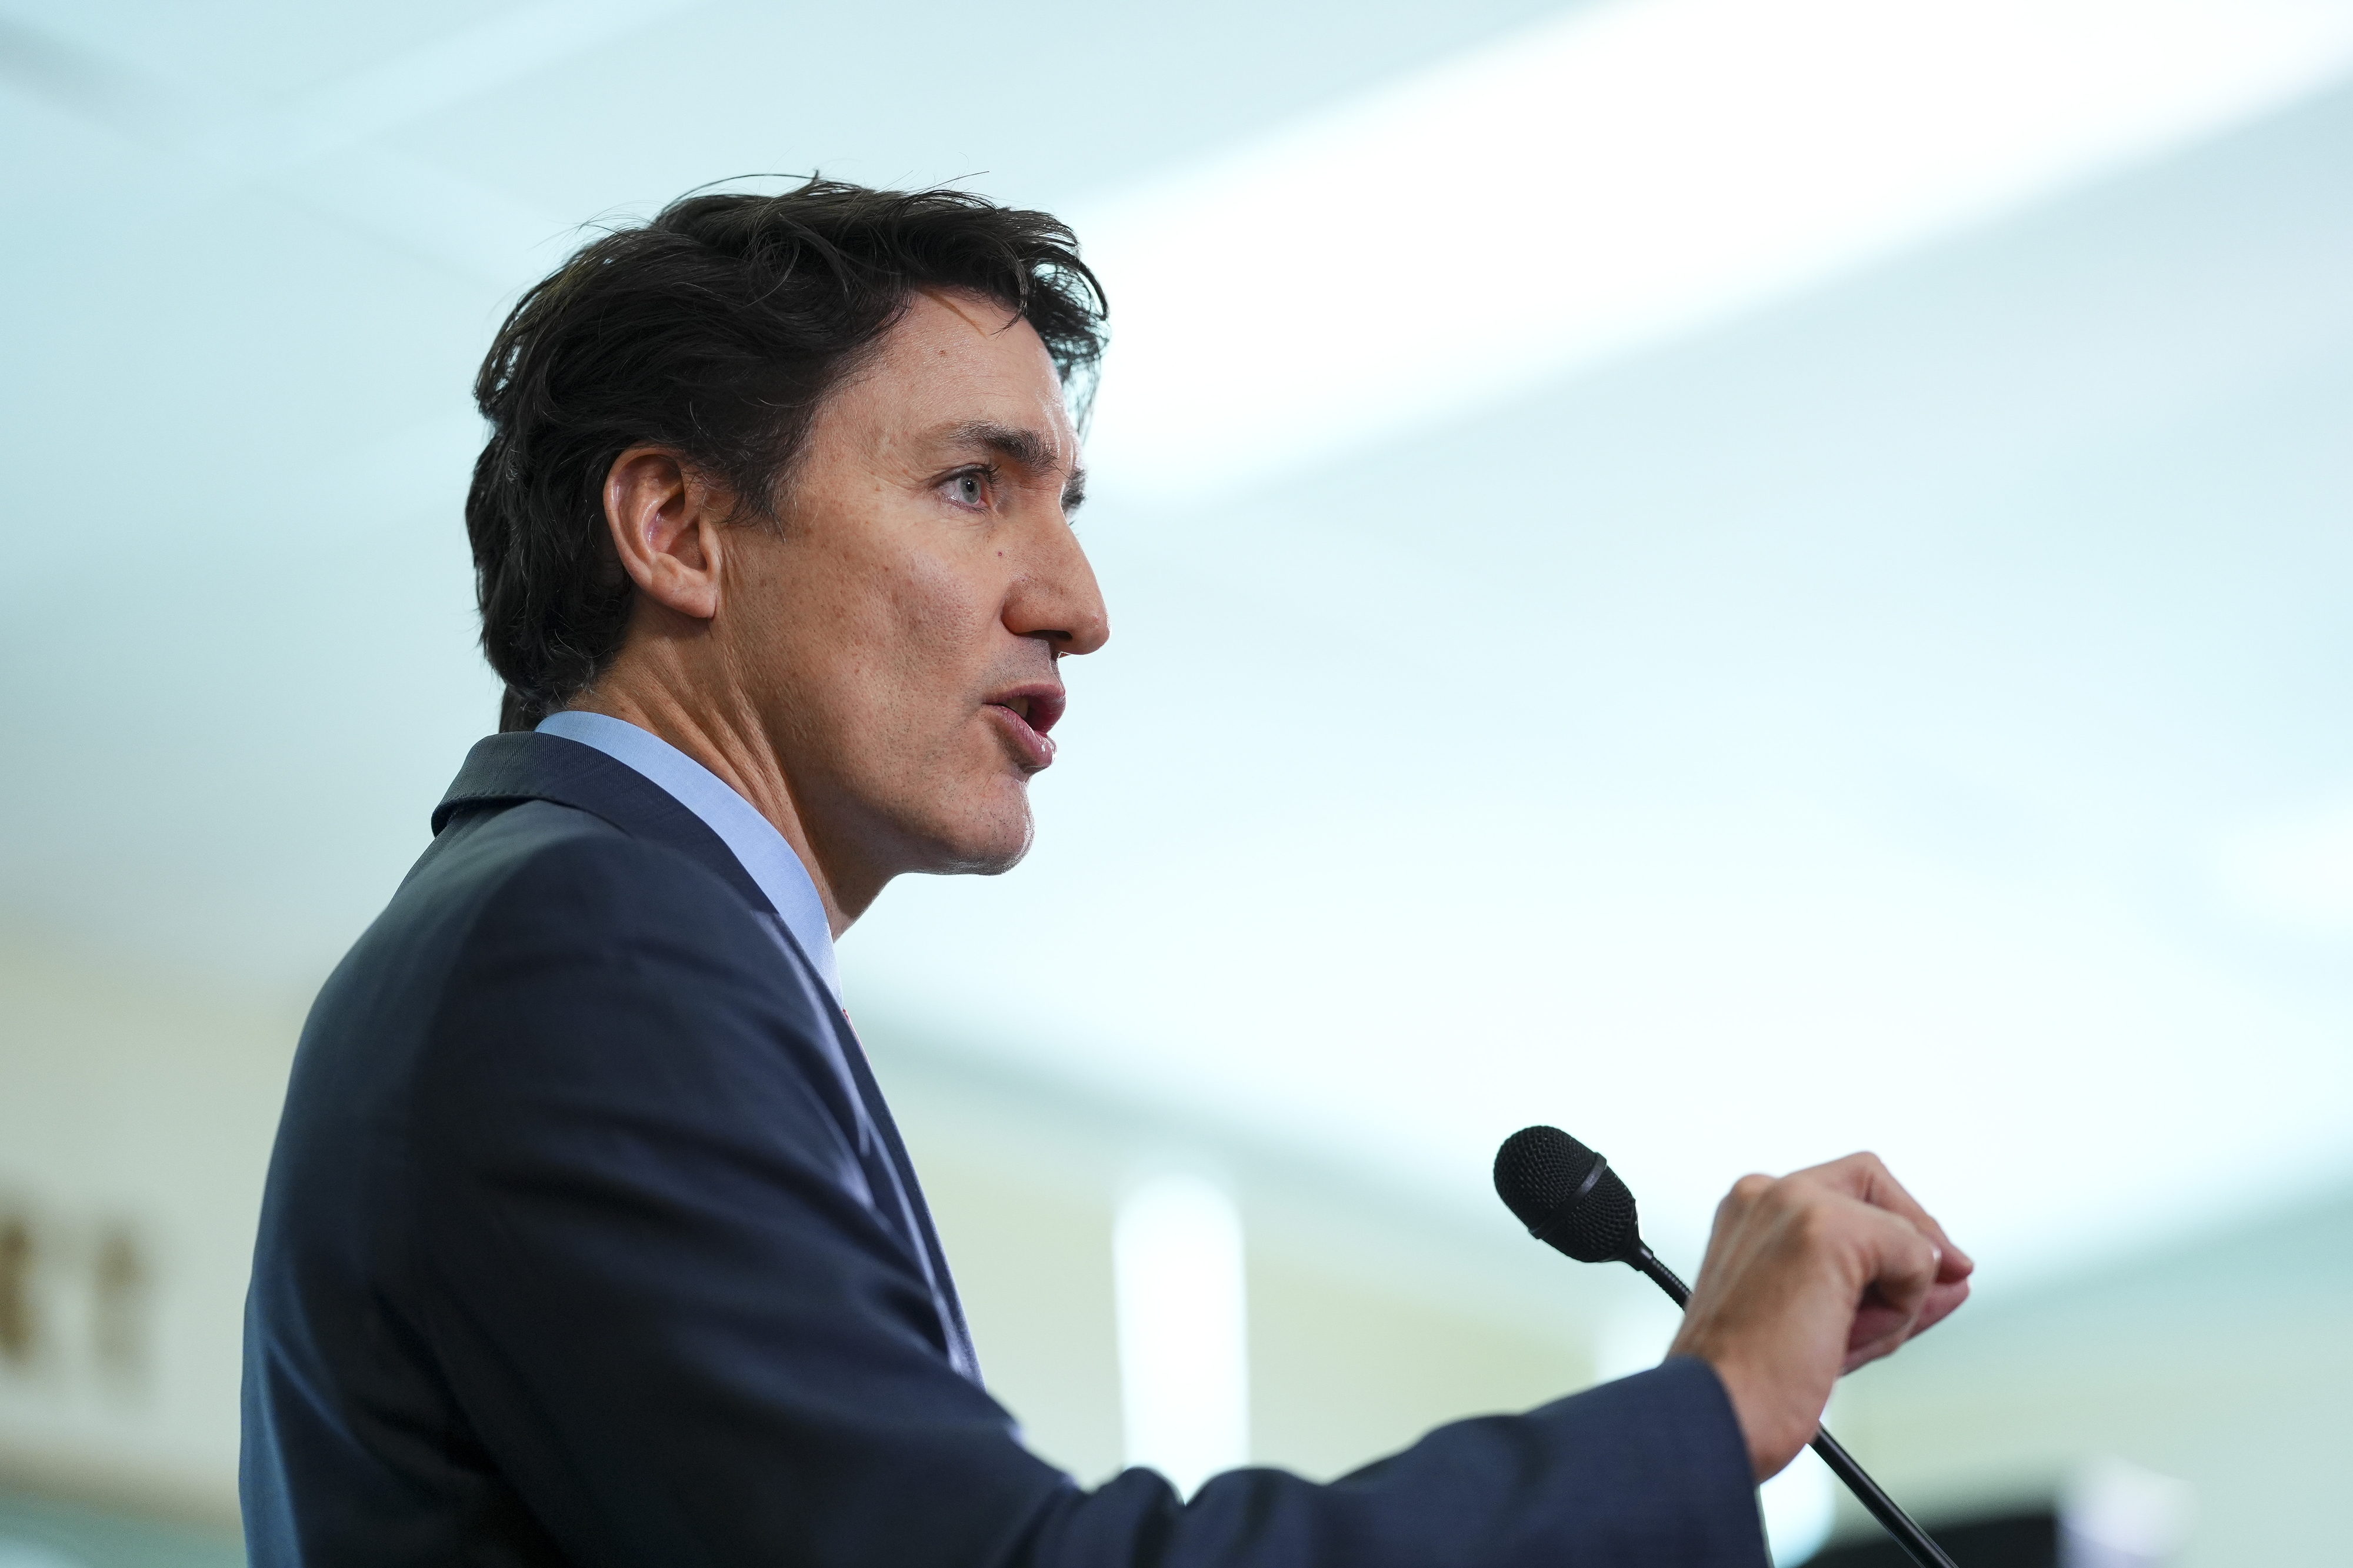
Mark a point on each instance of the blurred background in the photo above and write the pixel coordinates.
(1749, 577)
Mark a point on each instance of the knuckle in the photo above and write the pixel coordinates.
(1813, 1223)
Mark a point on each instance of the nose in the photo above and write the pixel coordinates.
(1057, 599)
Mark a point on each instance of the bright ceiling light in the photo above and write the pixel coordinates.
(1636, 170)
(1184, 1362)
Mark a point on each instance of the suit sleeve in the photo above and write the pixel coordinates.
(653, 1278)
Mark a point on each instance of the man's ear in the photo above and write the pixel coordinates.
(666, 524)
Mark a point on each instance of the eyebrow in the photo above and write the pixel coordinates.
(1026, 448)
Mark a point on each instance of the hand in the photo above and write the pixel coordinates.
(1808, 1277)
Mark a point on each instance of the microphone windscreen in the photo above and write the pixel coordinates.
(1540, 1173)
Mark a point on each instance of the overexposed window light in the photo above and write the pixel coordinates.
(1634, 171)
(1184, 1367)
(2113, 1514)
(1800, 1504)
(1634, 1338)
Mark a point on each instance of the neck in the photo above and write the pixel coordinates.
(733, 744)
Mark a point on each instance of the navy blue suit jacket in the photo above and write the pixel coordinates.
(588, 1240)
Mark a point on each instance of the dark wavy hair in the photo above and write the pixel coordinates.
(715, 330)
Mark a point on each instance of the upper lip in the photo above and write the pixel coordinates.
(1039, 703)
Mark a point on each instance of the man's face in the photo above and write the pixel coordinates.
(900, 634)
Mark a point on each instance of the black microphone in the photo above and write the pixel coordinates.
(1570, 1199)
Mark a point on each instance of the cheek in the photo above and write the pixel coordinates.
(924, 651)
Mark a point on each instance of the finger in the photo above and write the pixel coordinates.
(1742, 1198)
(1881, 1333)
(1876, 1321)
(1899, 1267)
(1943, 1297)
(1889, 1312)
(1863, 1355)
(1900, 1264)
(1867, 1177)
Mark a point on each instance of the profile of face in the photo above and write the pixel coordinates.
(893, 645)
(901, 631)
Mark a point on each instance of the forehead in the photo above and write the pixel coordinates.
(957, 357)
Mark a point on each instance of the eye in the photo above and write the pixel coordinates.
(967, 488)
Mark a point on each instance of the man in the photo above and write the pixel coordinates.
(588, 1238)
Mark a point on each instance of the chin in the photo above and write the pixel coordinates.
(987, 842)
(980, 859)
(994, 865)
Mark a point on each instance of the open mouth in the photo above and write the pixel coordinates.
(1025, 714)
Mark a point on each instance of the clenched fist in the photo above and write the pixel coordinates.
(1808, 1277)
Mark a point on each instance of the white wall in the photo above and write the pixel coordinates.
(2219, 1359)
(135, 1120)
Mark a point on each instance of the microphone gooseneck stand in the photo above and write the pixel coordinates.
(1570, 1200)
(1916, 1542)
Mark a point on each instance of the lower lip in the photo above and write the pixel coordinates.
(1036, 750)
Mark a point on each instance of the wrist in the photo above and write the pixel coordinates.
(1773, 1429)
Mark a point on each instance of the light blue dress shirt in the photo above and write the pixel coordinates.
(753, 838)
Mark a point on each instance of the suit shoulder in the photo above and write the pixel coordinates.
(545, 864)
(543, 953)
(479, 852)
(531, 891)
(603, 982)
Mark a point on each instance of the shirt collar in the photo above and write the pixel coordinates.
(751, 837)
